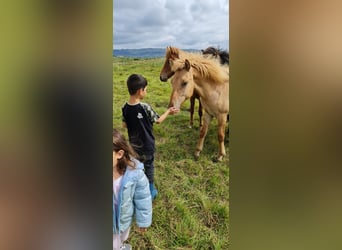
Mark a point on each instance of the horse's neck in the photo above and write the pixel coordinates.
(204, 86)
(201, 86)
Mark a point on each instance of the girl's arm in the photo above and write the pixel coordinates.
(143, 202)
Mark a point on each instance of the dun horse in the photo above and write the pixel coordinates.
(211, 81)
(166, 73)
(217, 54)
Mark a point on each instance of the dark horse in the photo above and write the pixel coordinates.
(217, 53)
(166, 73)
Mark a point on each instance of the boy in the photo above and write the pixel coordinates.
(138, 118)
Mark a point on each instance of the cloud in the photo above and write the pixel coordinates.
(158, 23)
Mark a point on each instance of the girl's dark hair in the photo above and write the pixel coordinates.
(120, 143)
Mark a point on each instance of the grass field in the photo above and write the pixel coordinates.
(192, 207)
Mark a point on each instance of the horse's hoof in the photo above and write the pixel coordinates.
(214, 159)
(217, 159)
(197, 154)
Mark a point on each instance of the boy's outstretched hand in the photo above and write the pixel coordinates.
(169, 111)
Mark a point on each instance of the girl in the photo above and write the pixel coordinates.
(131, 192)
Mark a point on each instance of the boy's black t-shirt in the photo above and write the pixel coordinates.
(139, 119)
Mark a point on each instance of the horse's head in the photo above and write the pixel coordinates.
(172, 53)
(210, 51)
(182, 82)
(166, 71)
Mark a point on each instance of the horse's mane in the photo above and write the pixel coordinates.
(205, 68)
(210, 69)
(172, 52)
(175, 53)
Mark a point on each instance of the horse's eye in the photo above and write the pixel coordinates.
(184, 84)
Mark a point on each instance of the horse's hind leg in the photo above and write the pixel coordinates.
(192, 108)
(227, 127)
(200, 112)
(203, 133)
(221, 123)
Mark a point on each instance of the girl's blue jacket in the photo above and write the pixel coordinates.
(134, 200)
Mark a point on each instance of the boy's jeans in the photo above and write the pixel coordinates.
(148, 160)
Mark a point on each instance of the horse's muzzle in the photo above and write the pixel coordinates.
(163, 78)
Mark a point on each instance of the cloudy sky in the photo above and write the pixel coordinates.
(187, 24)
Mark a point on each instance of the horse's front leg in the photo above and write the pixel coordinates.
(203, 133)
(221, 127)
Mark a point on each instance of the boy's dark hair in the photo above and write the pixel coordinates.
(136, 82)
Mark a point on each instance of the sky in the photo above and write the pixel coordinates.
(186, 24)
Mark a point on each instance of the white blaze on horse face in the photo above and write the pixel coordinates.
(182, 87)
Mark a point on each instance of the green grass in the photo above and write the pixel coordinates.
(192, 207)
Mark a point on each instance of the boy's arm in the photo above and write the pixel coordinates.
(124, 125)
(169, 111)
(154, 117)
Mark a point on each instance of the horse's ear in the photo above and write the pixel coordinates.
(174, 52)
(187, 64)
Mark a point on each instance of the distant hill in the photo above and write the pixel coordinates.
(143, 53)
